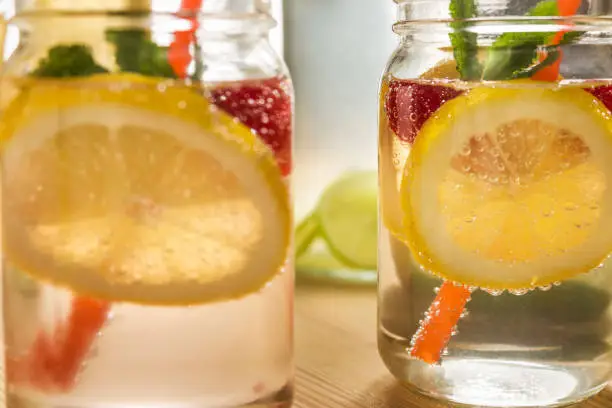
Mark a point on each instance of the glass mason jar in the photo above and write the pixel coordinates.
(146, 162)
(495, 175)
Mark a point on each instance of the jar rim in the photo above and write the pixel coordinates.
(440, 10)
(222, 22)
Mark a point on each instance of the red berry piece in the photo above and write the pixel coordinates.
(265, 107)
(409, 104)
(603, 93)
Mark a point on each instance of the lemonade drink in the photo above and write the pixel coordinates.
(147, 231)
(513, 201)
(495, 209)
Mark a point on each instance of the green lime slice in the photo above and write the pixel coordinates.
(306, 231)
(348, 218)
(322, 267)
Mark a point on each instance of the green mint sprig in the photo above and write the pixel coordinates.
(134, 52)
(64, 61)
(465, 46)
(512, 55)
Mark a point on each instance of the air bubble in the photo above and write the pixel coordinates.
(436, 290)
(464, 314)
(445, 352)
(519, 292)
(494, 292)
(466, 150)
(469, 220)
(413, 117)
(570, 207)
(545, 288)
(557, 283)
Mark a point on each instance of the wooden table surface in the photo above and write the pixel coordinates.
(337, 360)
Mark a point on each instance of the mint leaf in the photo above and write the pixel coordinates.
(135, 52)
(465, 44)
(546, 8)
(571, 36)
(513, 54)
(64, 61)
(551, 57)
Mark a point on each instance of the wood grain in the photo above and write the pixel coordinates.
(337, 359)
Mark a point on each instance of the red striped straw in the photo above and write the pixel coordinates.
(179, 56)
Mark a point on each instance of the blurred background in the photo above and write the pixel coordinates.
(336, 51)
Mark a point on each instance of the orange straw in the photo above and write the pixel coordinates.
(55, 359)
(179, 56)
(440, 322)
(550, 73)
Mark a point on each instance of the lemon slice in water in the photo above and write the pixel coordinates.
(511, 188)
(126, 189)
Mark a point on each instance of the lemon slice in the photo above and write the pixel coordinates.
(135, 190)
(511, 188)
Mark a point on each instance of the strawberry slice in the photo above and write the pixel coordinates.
(603, 93)
(265, 107)
(54, 360)
(409, 104)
